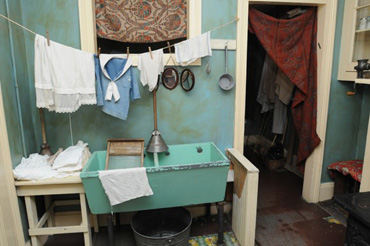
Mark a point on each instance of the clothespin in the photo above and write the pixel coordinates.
(99, 50)
(128, 52)
(169, 46)
(169, 49)
(47, 36)
(150, 52)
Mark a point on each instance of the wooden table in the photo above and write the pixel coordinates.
(46, 188)
(358, 223)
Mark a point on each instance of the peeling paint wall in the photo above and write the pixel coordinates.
(13, 75)
(348, 115)
(204, 114)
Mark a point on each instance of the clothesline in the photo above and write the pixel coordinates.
(25, 28)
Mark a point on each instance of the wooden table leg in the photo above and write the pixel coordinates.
(32, 217)
(85, 220)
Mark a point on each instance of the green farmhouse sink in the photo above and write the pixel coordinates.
(188, 174)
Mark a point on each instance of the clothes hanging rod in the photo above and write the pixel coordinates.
(214, 29)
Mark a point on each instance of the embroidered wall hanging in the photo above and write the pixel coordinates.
(140, 21)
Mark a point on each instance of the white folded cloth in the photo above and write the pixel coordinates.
(70, 157)
(190, 50)
(122, 185)
(64, 77)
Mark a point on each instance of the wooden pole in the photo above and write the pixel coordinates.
(41, 111)
(155, 108)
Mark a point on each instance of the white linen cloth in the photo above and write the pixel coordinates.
(150, 68)
(64, 77)
(72, 158)
(122, 185)
(190, 50)
(34, 167)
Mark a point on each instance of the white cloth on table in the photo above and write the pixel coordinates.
(34, 167)
(72, 158)
(190, 50)
(150, 68)
(64, 77)
(122, 185)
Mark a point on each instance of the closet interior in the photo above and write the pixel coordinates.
(270, 133)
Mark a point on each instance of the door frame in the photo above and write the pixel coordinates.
(327, 10)
(10, 219)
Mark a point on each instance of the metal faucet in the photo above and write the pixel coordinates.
(362, 65)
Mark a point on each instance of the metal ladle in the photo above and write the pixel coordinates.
(226, 81)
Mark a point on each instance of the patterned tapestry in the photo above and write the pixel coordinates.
(141, 21)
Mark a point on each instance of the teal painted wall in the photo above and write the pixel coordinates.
(13, 74)
(348, 115)
(204, 114)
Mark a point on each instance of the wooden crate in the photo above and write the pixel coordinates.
(125, 147)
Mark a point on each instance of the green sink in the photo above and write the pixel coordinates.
(188, 174)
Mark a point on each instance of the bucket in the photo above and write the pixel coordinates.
(165, 227)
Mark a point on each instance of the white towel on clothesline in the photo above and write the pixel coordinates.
(150, 68)
(64, 77)
(122, 185)
(190, 50)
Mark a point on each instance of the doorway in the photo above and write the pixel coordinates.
(270, 131)
(326, 10)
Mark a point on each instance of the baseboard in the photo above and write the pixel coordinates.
(326, 191)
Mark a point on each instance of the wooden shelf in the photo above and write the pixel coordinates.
(363, 30)
(362, 81)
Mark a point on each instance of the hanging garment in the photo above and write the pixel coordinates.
(280, 116)
(192, 49)
(284, 87)
(292, 45)
(266, 90)
(150, 68)
(121, 185)
(64, 77)
(283, 96)
(116, 84)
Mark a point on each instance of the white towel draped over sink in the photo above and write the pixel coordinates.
(121, 185)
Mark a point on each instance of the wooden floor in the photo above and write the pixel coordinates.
(285, 219)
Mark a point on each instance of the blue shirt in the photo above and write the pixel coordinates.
(114, 68)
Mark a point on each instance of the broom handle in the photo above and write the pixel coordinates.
(41, 111)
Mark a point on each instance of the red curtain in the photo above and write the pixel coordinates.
(291, 43)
